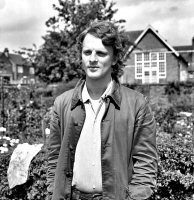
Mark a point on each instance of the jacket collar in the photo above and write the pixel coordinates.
(77, 94)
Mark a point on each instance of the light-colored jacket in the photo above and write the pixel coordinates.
(128, 144)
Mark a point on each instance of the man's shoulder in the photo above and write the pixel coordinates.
(131, 92)
(64, 97)
(133, 97)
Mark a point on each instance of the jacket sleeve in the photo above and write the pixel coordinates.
(54, 145)
(144, 154)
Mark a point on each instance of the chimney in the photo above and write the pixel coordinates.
(192, 59)
(6, 52)
(193, 43)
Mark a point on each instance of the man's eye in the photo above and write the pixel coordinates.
(87, 53)
(101, 54)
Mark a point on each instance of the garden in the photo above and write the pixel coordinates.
(26, 114)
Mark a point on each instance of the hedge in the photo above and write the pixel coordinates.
(34, 188)
(175, 179)
(176, 164)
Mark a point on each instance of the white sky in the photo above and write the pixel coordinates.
(22, 22)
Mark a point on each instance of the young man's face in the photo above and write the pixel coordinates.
(97, 59)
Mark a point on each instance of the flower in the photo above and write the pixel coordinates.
(2, 129)
(47, 131)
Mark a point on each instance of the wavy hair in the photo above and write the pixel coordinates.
(109, 34)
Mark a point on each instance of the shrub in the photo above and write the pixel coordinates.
(175, 168)
(34, 188)
(176, 162)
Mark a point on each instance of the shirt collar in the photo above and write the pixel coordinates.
(115, 93)
(86, 96)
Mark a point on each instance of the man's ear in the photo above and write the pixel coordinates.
(115, 59)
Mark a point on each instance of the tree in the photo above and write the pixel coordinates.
(58, 58)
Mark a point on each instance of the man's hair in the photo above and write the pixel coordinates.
(109, 34)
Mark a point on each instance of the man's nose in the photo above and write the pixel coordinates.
(93, 57)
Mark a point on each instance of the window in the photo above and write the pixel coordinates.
(154, 77)
(146, 56)
(139, 56)
(153, 56)
(146, 64)
(20, 69)
(161, 67)
(150, 66)
(154, 64)
(154, 73)
(139, 75)
(139, 68)
(161, 56)
(31, 70)
(146, 77)
(146, 73)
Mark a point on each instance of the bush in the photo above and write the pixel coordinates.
(176, 160)
(34, 188)
(175, 168)
(174, 142)
(23, 114)
(175, 173)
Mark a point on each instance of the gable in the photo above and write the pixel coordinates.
(149, 42)
(149, 32)
(17, 59)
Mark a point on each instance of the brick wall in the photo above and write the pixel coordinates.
(158, 98)
(151, 43)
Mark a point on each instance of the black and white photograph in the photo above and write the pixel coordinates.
(96, 100)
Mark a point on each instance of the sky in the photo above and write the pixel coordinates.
(22, 22)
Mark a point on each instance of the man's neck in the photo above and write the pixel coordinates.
(96, 88)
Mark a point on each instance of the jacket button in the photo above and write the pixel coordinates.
(68, 174)
(75, 123)
(71, 147)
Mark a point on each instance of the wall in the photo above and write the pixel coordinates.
(181, 94)
(151, 42)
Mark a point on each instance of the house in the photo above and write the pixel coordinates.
(14, 69)
(150, 59)
(187, 52)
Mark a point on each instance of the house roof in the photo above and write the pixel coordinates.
(4, 59)
(191, 68)
(133, 35)
(138, 35)
(17, 59)
(183, 48)
(185, 51)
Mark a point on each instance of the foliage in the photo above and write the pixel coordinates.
(7, 143)
(174, 142)
(29, 54)
(180, 94)
(175, 168)
(58, 58)
(34, 188)
(176, 161)
(23, 114)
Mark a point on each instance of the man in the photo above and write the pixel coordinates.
(102, 143)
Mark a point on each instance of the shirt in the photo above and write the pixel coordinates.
(87, 174)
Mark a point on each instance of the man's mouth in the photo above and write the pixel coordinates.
(93, 67)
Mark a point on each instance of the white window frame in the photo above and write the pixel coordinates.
(31, 70)
(20, 69)
(150, 61)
